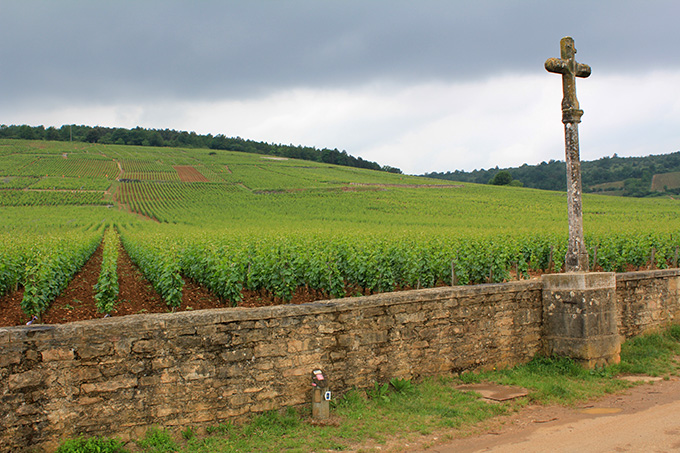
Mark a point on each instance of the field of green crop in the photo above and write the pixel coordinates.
(665, 181)
(273, 225)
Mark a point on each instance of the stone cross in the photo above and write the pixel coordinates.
(577, 255)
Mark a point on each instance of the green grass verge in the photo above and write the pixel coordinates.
(654, 354)
(406, 411)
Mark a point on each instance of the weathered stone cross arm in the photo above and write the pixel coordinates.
(569, 68)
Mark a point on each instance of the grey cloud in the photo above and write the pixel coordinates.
(91, 51)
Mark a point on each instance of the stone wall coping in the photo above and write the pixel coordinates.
(578, 281)
(643, 275)
(163, 321)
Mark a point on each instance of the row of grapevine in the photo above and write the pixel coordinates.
(13, 251)
(616, 252)
(106, 289)
(279, 265)
(17, 182)
(163, 200)
(148, 170)
(50, 198)
(50, 265)
(333, 266)
(71, 166)
(13, 164)
(160, 266)
(153, 192)
(54, 182)
(84, 183)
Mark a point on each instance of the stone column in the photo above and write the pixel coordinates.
(576, 259)
(580, 317)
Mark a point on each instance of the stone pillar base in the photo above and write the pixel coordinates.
(579, 317)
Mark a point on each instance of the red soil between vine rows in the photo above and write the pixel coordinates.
(187, 173)
(136, 295)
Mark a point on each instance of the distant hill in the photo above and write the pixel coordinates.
(182, 139)
(654, 175)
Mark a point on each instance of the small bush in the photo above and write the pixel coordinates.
(189, 433)
(379, 392)
(92, 445)
(158, 441)
(402, 386)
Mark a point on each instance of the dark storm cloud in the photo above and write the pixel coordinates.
(98, 52)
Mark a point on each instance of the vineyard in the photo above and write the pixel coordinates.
(247, 227)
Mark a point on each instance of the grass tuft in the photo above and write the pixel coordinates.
(92, 445)
(158, 440)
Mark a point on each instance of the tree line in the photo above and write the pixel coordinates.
(181, 139)
(632, 175)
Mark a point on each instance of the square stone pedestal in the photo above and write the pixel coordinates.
(579, 317)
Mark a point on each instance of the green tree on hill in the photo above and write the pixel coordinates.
(502, 178)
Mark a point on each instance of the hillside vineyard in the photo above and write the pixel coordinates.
(234, 222)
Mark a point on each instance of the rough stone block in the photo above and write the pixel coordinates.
(10, 356)
(87, 400)
(296, 346)
(330, 327)
(122, 346)
(373, 337)
(232, 412)
(237, 355)
(194, 371)
(169, 376)
(269, 350)
(5, 337)
(93, 350)
(146, 347)
(110, 385)
(161, 363)
(31, 378)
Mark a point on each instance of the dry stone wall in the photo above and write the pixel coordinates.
(119, 376)
(647, 300)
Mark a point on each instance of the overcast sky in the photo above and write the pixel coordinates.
(423, 85)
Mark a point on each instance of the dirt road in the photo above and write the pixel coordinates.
(645, 418)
